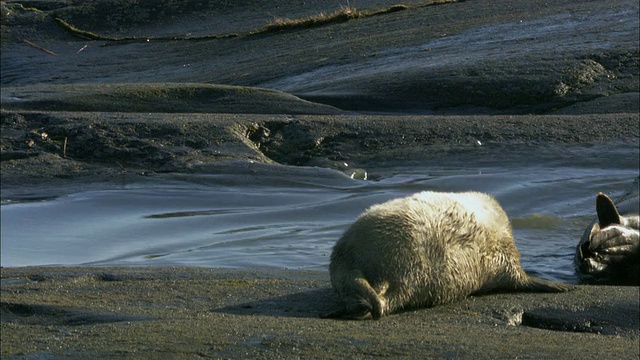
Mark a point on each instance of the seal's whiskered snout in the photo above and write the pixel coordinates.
(424, 250)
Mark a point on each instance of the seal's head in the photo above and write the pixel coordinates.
(608, 252)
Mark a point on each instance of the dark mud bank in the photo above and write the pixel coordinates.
(39, 147)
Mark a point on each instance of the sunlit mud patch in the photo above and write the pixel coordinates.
(619, 319)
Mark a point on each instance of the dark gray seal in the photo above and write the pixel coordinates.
(424, 250)
(609, 250)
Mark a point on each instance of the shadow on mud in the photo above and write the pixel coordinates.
(618, 319)
(307, 304)
(58, 315)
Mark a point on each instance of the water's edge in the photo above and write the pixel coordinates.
(289, 218)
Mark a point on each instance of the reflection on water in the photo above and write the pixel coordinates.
(290, 217)
(536, 221)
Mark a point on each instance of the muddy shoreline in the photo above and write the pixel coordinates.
(41, 149)
(52, 312)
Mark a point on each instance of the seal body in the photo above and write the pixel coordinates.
(424, 250)
(609, 251)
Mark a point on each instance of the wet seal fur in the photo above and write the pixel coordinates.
(609, 251)
(424, 250)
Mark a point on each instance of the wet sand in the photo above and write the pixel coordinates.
(456, 82)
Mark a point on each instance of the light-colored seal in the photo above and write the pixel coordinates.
(609, 251)
(424, 250)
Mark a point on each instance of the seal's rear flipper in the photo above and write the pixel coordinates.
(607, 212)
(535, 284)
(358, 312)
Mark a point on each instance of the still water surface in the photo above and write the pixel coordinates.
(287, 217)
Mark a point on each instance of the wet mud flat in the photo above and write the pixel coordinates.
(418, 57)
(115, 89)
(132, 90)
(252, 313)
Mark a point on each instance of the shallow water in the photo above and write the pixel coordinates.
(288, 217)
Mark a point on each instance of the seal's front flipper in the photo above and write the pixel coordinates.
(607, 212)
(615, 240)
